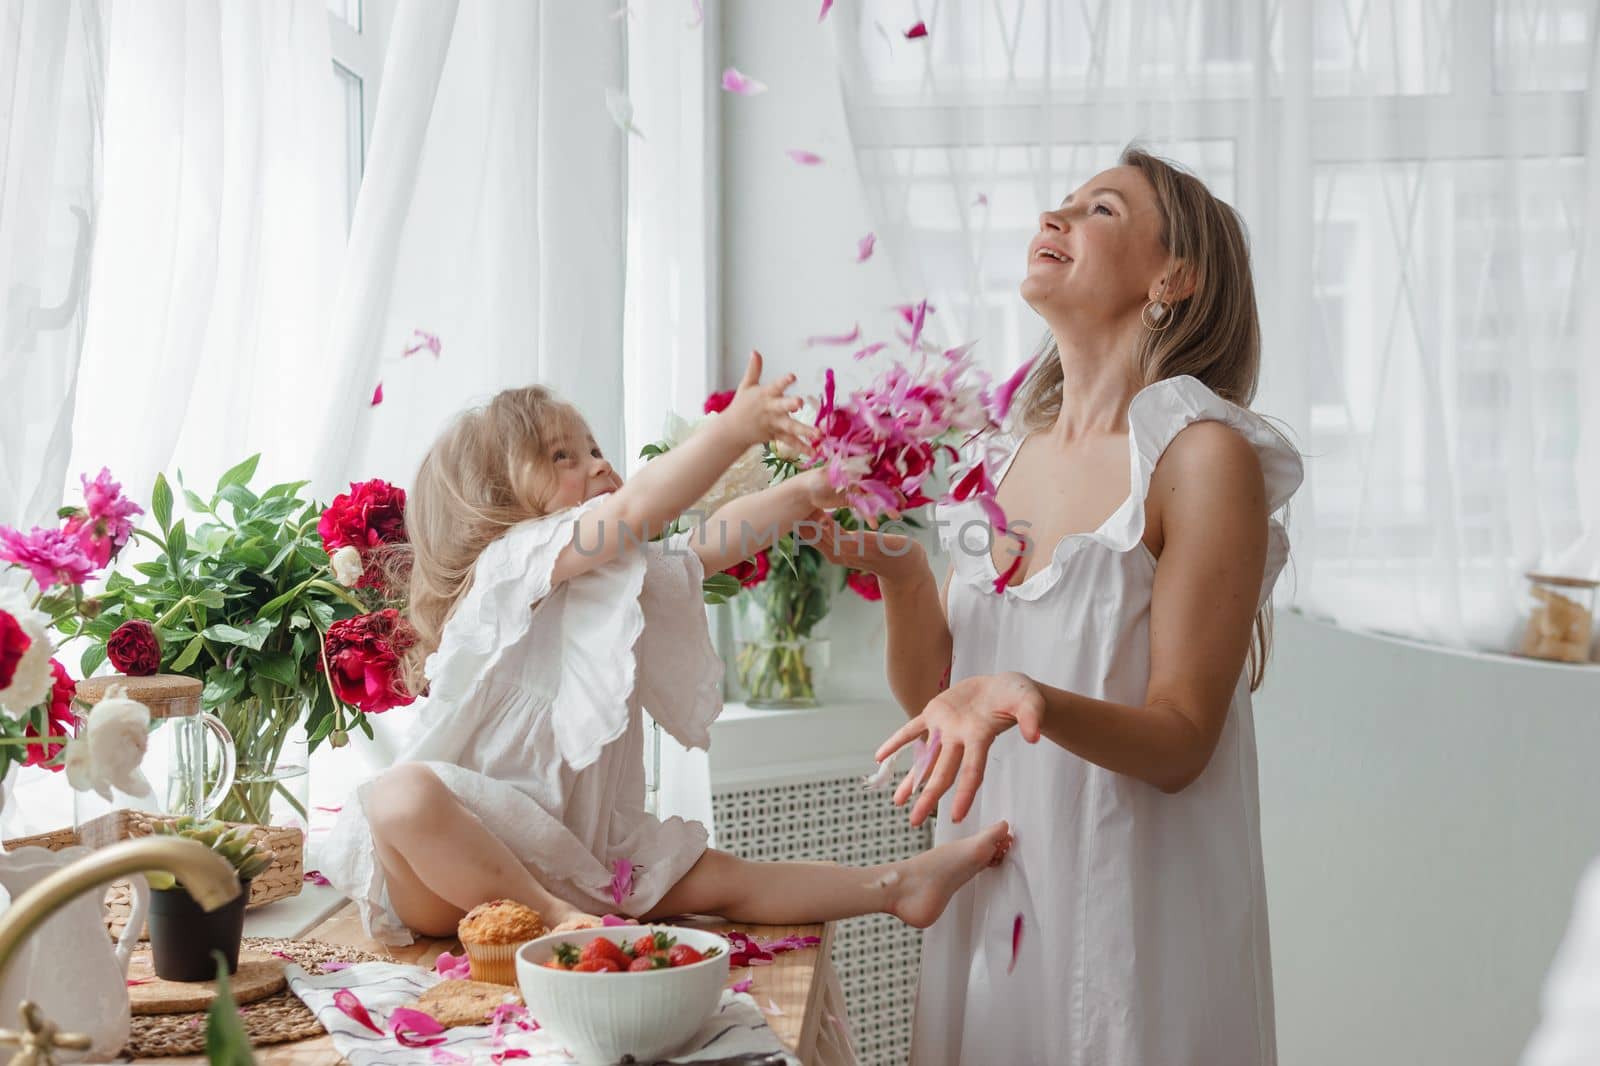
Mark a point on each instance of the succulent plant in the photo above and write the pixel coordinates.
(231, 842)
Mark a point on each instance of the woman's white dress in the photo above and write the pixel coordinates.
(534, 718)
(1144, 939)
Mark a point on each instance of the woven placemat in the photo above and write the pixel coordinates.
(277, 1019)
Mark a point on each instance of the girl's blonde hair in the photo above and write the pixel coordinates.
(489, 470)
(1213, 334)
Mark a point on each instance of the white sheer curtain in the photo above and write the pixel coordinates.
(52, 95)
(218, 245)
(1416, 178)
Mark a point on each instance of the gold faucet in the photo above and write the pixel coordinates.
(208, 876)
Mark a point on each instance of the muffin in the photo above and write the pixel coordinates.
(492, 932)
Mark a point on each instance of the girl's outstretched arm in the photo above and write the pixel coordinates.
(753, 523)
(666, 486)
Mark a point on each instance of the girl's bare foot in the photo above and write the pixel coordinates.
(920, 888)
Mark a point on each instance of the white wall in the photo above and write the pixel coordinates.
(1425, 815)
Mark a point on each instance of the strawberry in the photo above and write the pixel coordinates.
(602, 948)
(684, 955)
(597, 966)
(648, 962)
(567, 957)
(651, 943)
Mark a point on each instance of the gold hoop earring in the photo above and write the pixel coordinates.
(1156, 316)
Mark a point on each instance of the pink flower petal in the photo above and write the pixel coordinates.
(622, 880)
(315, 877)
(741, 84)
(835, 339)
(699, 13)
(509, 1053)
(448, 1058)
(139, 981)
(512, 1014)
(1000, 401)
(772, 1008)
(331, 810)
(336, 966)
(879, 779)
(826, 5)
(1004, 579)
(803, 157)
(283, 955)
(743, 986)
(918, 318)
(991, 508)
(377, 395)
(453, 967)
(917, 31)
(1016, 940)
(612, 919)
(926, 755)
(982, 200)
(869, 351)
(413, 1028)
(347, 1003)
(424, 339)
(865, 246)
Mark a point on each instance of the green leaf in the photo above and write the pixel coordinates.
(196, 504)
(243, 499)
(93, 657)
(151, 569)
(279, 667)
(239, 474)
(366, 727)
(189, 655)
(161, 502)
(251, 636)
(222, 686)
(211, 598)
(177, 546)
(226, 1041)
(287, 488)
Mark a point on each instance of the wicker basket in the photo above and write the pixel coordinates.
(279, 881)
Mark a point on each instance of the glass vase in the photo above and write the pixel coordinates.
(777, 662)
(271, 781)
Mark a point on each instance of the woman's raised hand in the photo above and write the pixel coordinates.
(958, 727)
(761, 413)
(862, 549)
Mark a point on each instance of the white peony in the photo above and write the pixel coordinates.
(33, 678)
(108, 752)
(347, 566)
(747, 474)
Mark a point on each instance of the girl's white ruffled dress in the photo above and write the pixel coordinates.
(1144, 939)
(534, 718)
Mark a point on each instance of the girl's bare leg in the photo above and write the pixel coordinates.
(914, 890)
(440, 860)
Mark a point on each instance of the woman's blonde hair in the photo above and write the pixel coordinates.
(489, 470)
(1213, 334)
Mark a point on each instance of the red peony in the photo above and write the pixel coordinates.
(371, 514)
(60, 719)
(13, 643)
(718, 401)
(364, 655)
(752, 571)
(864, 585)
(134, 649)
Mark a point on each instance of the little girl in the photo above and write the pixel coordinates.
(546, 623)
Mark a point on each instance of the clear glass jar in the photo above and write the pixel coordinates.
(1560, 618)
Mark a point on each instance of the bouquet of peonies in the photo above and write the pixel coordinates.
(281, 607)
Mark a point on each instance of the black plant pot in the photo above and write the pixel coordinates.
(183, 936)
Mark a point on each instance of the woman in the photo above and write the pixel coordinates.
(1117, 647)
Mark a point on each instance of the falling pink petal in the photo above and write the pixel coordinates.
(413, 1028)
(377, 395)
(139, 981)
(699, 13)
(918, 318)
(772, 1007)
(424, 339)
(835, 339)
(919, 30)
(347, 1003)
(1004, 579)
(453, 967)
(513, 1014)
(622, 879)
(1000, 402)
(826, 6)
(959, 353)
(865, 246)
(996, 515)
(509, 1053)
(315, 877)
(1016, 940)
(612, 919)
(926, 755)
(284, 955)
(982, 200)
(448, 1058)
(336, 966)
(803, 157)
(331, 810)
(743, 986)
(741, 84)
(909, 311)
(869, 351)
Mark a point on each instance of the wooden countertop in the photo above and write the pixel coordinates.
(790, 983)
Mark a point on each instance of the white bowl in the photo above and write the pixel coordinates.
(601, 1017)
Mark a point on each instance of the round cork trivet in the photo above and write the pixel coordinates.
(167, 695)
(259, 975)
(278, 1019)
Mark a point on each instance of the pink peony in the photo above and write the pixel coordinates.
(107, 523)
(52, 556)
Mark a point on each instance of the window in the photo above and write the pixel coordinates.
(357, 33)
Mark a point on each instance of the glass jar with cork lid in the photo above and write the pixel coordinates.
(1560, 619)
(189, 761)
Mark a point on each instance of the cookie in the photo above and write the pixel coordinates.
(453, 1003)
